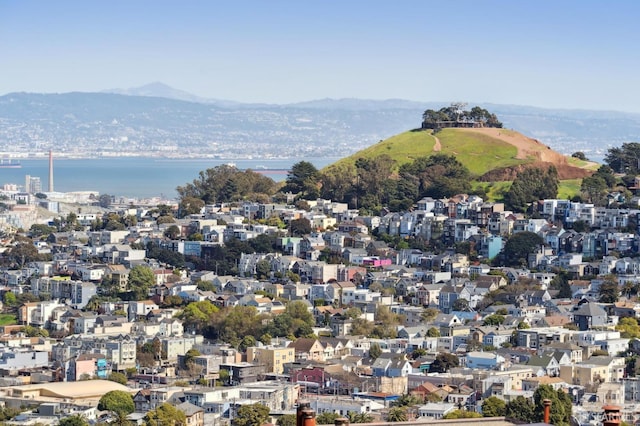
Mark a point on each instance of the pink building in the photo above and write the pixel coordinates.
(376, 262)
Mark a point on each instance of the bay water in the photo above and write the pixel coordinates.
(137, 177)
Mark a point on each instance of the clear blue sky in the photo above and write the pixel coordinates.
(550, 53)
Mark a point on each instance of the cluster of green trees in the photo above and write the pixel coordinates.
(243, 326)
(223, 184)
(368, 184)
(517, 249)
(372, 183)
(595, 188)
(384, 325)
(531, 184)
(432, 119)
(624, 159)
(525, 410)
(223, 258)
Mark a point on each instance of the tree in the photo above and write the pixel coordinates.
(31, 331)
(406, 400)
(198, 316)
(434, 332)
(10, 299)
(251, 415)
(224, 183)
(190, 355)
(172, 301)
(397, 414)
(263, 269)
(561, 405)
(443, 363)
(172, 232)
(429, 314)
(117, 401)
(359, 417)
(242, 321)
(518, 247)
(75, 420)
(494, 407)
(461, 305)
(461, 414)
(327, 418)
(286, 420)
(205, 286)
(418, 353)
(303, 179)
(375, 351)
(594, 190)
(531, 185)
(522, 325)
(141, 279)
(609, 292)
(247, 342)
(104, 200)
(580, 156)
(361, 326)
(23, 253)
(624, 159)
(38, 230)
(437, 176)
(165, 415)
(300, 227)
(561, 282)
(454, 115)
(118, 378)
(493, 320)
(521, 409)
(628, 328)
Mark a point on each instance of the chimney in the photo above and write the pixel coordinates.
(612, 415)
(50, 171)
(308, 417)
(546, 403)
(302, 405)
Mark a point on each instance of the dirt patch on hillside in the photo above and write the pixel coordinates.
(541, 155)
(438, 146)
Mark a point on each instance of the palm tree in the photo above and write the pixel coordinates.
(359, 417)
(397, 414)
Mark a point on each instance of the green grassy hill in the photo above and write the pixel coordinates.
(403, 148)
(481, 151)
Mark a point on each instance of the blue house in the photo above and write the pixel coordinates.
(391, 365)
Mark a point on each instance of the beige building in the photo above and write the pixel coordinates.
(273, 357)
(596, 370)
(308, 349)
(88, 392)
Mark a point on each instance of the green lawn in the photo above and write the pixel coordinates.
(589, 165)
(8, 319)
(403, 148)
(494, 190)
(569, 188)
(479, 152)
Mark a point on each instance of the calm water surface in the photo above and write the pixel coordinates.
(136, 177)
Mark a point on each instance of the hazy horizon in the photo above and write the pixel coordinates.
(561, 55)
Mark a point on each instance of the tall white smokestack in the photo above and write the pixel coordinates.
(50, 171)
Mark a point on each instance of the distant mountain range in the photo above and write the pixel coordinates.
(158, 120)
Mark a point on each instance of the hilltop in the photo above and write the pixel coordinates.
(490, 154)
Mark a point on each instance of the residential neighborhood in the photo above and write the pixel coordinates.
(276, 304)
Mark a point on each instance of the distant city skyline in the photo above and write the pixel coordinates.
(561, 54)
